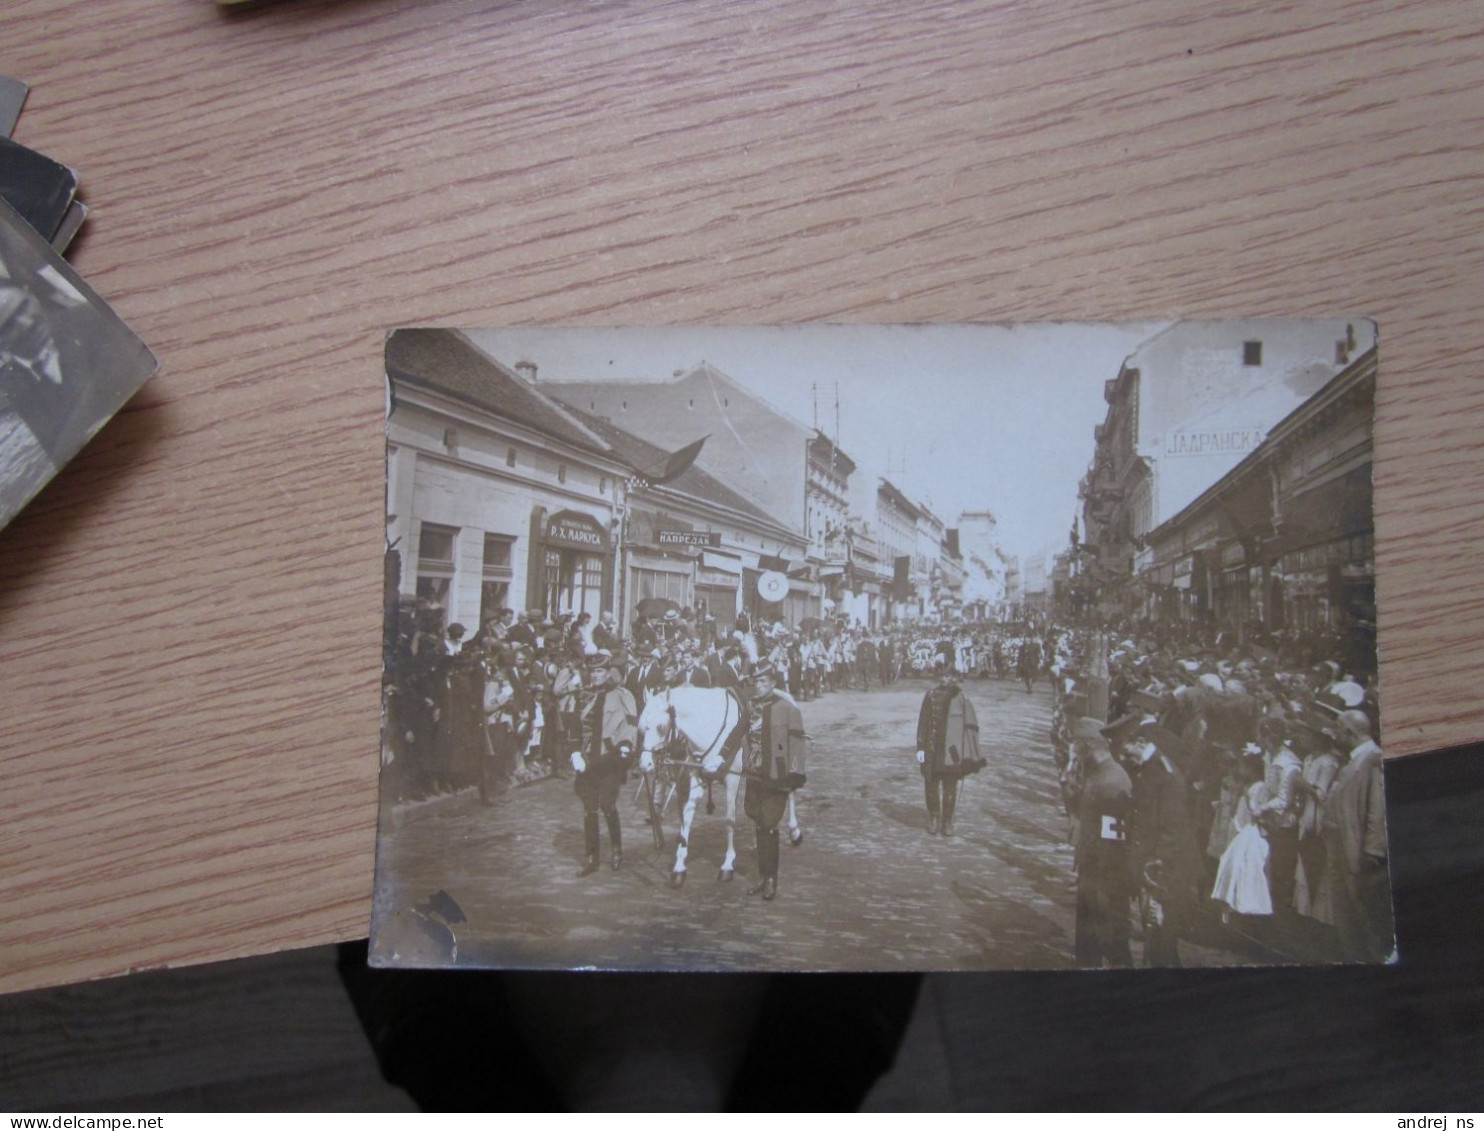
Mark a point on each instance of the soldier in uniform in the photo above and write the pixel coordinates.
(610, 731)
(775, 768)
(947, 749)
(1103, 884)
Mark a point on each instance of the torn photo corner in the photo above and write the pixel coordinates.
(887, 648)
(67, 363)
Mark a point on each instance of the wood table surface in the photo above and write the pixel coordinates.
(190, 613)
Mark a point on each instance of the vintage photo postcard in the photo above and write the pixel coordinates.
(67, 363)
(881, 648)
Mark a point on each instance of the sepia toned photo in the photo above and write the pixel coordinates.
(67, 363)
(892, 648)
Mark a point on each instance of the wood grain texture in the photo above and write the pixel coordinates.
(189, 624)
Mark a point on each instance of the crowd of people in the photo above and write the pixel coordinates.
(502, 704)
(1214, 789)
(1223, 789)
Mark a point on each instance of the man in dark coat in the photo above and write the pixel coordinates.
(1028, 664)
(645, 678)
(1164, 862)
(867, 660)
(775, 768)
(947, 749)
(610, 730)
(1103, 887)
(605, 636)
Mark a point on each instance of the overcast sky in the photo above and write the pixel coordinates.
(964, 417)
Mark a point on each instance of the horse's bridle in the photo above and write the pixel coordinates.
(675, 734)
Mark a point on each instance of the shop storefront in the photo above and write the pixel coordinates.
(718, 583)
(1332, 586)
(571, 564)
(1232, 597)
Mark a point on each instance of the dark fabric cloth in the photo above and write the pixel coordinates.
(1165, 864)
(1104, 885)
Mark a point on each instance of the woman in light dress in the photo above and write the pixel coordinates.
(1241, 876)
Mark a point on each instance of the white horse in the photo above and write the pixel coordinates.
(695, 722)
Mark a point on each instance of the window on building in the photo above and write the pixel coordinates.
(561, 473)
(1342, 354)
(494, 591)
(509, 457)
(435, 559)
(603, 485)
(661, 583)
(1251, 353)
(574, 582)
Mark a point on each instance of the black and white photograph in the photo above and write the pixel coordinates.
(67, 363)
(881, 648)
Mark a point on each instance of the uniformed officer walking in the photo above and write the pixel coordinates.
(775, 768)
(609, 735)
(947, 749)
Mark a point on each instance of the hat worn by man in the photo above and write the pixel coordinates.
(1165, 740)
(766, 671)
(599, 660)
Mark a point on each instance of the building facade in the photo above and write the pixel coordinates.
(495, 496)
(1283, 543)
(1183, 410)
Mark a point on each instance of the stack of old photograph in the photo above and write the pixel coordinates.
(891, 648)
(67, 362)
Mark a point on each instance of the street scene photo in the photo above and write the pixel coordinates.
(890, 648)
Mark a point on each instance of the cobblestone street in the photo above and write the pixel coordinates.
(868, 889)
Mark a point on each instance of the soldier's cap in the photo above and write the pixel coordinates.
(600, 659)
(1120, 729)
(766, 671)
(672, 614)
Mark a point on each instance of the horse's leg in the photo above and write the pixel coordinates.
(729, 862)
(795, 831)
(687, 814)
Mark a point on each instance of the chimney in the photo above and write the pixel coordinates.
(526, 369)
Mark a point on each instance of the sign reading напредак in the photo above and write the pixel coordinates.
(687, 538)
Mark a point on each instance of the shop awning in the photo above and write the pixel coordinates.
(722, 563)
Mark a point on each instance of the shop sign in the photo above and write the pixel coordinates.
(687, 538)
(1184, 573)
(1182, 442)
(1232, 555)
(572, 528)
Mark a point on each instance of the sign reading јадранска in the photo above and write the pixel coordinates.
(1212, 441)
